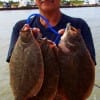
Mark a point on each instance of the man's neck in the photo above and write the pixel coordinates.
(53, 18)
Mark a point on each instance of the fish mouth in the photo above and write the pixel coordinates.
(46, 0)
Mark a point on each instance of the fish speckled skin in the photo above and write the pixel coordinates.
(77, 72)
(26, 66)
(51, 71)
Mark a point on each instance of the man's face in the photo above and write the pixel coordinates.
(48, 5)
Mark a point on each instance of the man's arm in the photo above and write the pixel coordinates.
(87, 36)
(15, 33)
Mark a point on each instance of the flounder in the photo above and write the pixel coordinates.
(26, 66)
(51, 71)
(77, 72)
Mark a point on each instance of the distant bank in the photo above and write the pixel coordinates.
(63, 6)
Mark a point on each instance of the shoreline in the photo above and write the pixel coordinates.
(35, 7)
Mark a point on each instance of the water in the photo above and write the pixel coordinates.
(9, 18)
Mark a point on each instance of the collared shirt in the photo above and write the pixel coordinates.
(46, 32)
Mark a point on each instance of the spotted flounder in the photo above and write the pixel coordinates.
(26, 66)
(77, 73)
(51, 71)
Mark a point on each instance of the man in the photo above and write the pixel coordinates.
(51, 10)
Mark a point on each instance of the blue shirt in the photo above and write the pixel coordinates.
(46, 32)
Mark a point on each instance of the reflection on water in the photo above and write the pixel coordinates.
(9, 18)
